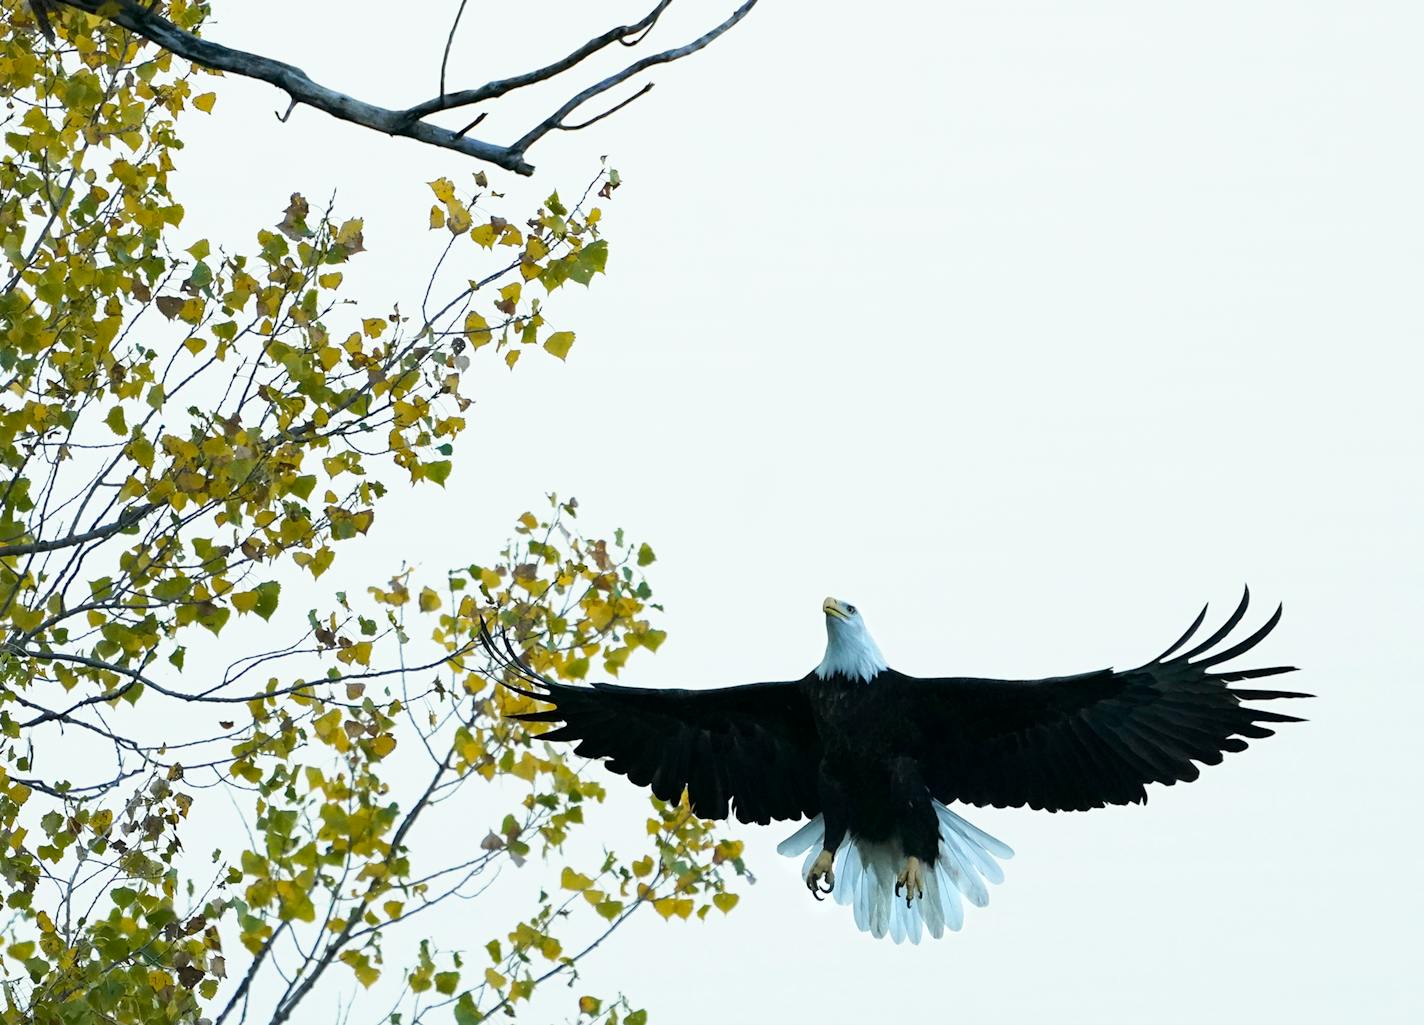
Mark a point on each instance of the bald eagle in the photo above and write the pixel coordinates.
(874, 757)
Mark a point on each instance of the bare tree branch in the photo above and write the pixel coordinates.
(408, 123)
(556, 120)
(493, 90)
(127, 519)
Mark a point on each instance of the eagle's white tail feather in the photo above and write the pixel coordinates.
(866, 873)
(803, 839)
(993, 845)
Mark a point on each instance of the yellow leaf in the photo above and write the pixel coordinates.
(383, 745)
(349, 234)
(559, 343)
(443, 188)
(437, 217)
(725, 901)
(459, 220)
(477, 330)
(571, 880)
(429, 600)
(205, 101)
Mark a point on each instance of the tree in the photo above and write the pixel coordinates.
(178, 34)
(187, 432)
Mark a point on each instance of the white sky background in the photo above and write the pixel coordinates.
(1026, 327)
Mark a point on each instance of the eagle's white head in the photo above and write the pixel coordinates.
(850, 650)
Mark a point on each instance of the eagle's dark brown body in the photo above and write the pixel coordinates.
(868, 779)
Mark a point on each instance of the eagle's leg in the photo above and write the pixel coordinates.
(821, 872)
(918, 827)
(911, 879)
(835, 815)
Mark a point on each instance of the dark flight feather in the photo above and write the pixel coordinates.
(41, 10)
(751, 751)
(1077, 742)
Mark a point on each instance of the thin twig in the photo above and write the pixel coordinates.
(611, 110)
(449, 42)
(556, 119)
(495, 89)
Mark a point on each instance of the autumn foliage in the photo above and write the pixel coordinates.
(189, 425)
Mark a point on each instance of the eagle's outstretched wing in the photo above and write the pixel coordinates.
(1072, 743)
(751, 751)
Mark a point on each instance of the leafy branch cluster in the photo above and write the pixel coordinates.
(185, 427)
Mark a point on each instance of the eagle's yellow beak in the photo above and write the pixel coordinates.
(832, 607)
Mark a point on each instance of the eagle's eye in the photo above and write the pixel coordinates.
(850, 609)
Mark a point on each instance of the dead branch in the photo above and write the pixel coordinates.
(410, 123)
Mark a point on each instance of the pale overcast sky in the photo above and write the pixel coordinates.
(1028, 327)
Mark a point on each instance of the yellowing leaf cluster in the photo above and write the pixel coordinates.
(189, 427)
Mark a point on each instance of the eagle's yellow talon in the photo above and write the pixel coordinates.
(912, 879)
(821, 870)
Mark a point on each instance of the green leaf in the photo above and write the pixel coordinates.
(262, 599)
(590, 260)
(465, 1011)
(302, 486)
(438, 471)
(171, 589)
(214, 617)
(201, 277)
(267, 595)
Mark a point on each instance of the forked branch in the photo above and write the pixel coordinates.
(410, 123)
